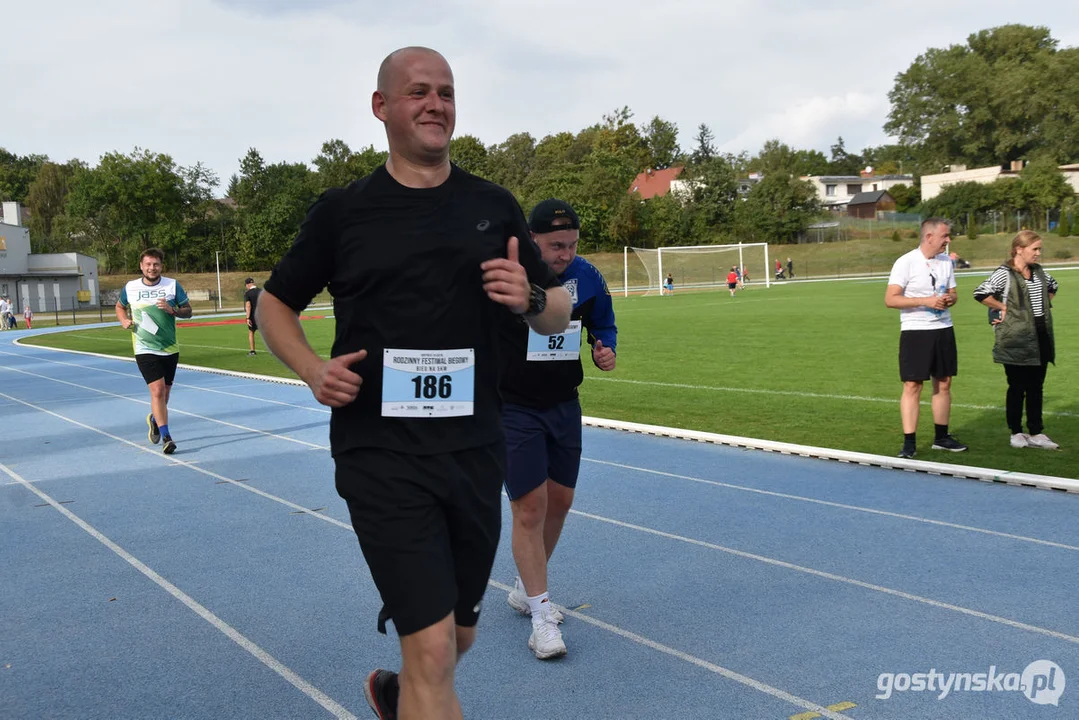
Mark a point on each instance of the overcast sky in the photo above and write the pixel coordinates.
(204, 80)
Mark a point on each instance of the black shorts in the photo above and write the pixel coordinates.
(541, 444)
(732, 286)
(154, 367)
(927, 353)
(428, 526)
(251, 324)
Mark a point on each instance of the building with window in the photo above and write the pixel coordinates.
(45, 282)
(933, 184)
(836, 191)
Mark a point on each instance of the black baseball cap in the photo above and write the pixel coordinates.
(249, 281)
(545, 213)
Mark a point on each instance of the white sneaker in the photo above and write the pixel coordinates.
(546, 639)
(1041, 440)
(1020, 440)
(518, 600)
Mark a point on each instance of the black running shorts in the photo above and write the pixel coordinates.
(154, 367)
(927, 353)
(428, 526)
(251, 324)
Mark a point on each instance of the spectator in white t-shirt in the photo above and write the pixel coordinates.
(922, 287)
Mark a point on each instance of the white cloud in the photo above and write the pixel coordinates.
(816, 122)
(204, 80)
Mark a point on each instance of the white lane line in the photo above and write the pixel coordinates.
(185, 385)
(183, 463)
(173, 410)
(836, 578)
(798, 394)
(598, 623)
(842, 506)
(694, 660)
(660, 533)
(227, 630)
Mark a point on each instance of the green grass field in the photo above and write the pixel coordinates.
(807, 363)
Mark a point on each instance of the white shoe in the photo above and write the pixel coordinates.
(546, 639)
(518, 600)
(1041, 440)
(1020, 440)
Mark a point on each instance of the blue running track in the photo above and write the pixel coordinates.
(700, 581)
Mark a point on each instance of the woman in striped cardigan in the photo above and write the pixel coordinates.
(1019, 295)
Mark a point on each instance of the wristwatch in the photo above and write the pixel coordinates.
(537, 301)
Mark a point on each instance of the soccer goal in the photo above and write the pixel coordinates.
(696, 267)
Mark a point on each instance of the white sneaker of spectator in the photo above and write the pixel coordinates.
(1041, 440)
(1020, 440)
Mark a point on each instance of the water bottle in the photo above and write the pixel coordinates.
(942, 290)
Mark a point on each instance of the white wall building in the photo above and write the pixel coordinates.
(932, 185)
(44, 282)
(836, 191)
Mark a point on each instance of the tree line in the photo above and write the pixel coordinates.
(1004, 95)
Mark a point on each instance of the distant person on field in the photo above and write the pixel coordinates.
(149, 306)
(5, 310)
(922, 287)
(732, 280)
(28, 315)
(669, 284)
(251, 301)
(1021, 294)
(745, 275)
(779, 269)
(790, 268)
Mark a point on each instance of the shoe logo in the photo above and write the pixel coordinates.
(483, 225)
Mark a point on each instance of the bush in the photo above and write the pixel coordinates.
(914, 235)
(895, 236)
(972, 230)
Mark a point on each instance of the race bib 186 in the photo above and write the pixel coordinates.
(428, 383)
(566, 345)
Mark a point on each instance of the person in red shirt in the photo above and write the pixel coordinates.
(732, 280)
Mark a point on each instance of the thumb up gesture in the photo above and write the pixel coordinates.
(603, 356)
(505, 280)
(334, 384)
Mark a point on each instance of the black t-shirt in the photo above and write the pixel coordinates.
(542, 384)
(252, 296)
(403, 267)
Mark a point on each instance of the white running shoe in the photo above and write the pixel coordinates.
(518, 600)
(1041, 440)
(546, 639)
(1020, 440)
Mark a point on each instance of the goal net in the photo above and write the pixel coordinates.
(696, 267)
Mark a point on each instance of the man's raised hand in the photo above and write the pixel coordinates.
(334, 384)
(603, 356)
(505, 280)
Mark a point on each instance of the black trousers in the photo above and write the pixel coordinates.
(1025, 382)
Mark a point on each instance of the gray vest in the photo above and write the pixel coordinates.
(1017, 337)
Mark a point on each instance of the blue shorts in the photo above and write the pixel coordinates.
(541, 444)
